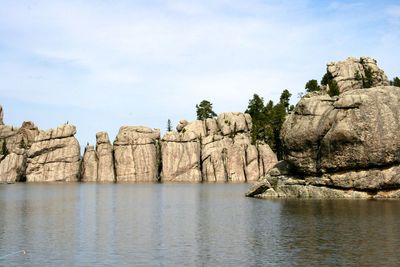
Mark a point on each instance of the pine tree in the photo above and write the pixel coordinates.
(204, 110)
(312, 86)
(169, 125)
(396, 81)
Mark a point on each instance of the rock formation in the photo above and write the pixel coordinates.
(354, 73)
(54, 156)
(180, 153)
(227, 154)
(104, 151)
(14, 144)
(347, 146)
(89, 165)
(136, 154)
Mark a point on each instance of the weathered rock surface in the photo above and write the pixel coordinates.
(350, 73)
(104, 152)
(180, 153)
(227, 154)
(89, 165)
(136, 153)
(12, 168)
(357, 130)
(54, 156)
(342, 147)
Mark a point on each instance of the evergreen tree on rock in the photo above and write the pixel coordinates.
(204, 110)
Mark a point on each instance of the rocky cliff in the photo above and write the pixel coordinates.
(136, 153)
(346, 146)
(54, 156)
(14, 145)
(356, 73)
(225, 149)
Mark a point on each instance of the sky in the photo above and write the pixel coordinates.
(103, 64)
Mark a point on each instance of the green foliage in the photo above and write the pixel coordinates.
(312, 86)
(22, 144)
(169, 125)
(204, 110)
(326, 78)
(368, 80)
(396, 81)
(333, 88)
(357, 76)
(285, 98)
(268, 120)
(4, 149)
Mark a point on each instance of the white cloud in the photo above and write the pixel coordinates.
(154, 57)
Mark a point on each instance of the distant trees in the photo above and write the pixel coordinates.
(395, 82)
(204, 110)
(312, 86)
(169, 125)
(268, 120)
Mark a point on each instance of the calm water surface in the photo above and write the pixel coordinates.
(190, 225)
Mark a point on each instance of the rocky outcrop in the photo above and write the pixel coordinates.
(180, 153)
(345, 146)
(54, 156)
(227, 154)
(357, 73)
(89, 165)
(14, 144)
(12, 168)
(104, 152)
(136, 153)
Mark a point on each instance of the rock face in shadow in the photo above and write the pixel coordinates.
(346, 147)
(54, 156)
(136, 154)
(14, 144)
(226, 152)
(180, 153)
(104, 152)
(357, 73)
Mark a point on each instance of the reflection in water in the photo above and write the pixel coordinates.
(189, 224)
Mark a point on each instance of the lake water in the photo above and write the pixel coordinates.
(190, 225)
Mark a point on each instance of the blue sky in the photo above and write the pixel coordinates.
(103, 64)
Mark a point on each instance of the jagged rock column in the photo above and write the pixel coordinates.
(104, 151)
(136, 154)
(89, 165)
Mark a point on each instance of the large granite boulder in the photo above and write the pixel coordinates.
(54, 156)
(89, 165)
(355, 73)
(136, 154)
(104, 151)
(342, 147)
(180, 154)
(359, 129)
